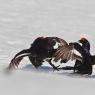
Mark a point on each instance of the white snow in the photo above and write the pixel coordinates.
(21, 22)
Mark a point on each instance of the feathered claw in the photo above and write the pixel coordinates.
(56, 68)
(67, 68)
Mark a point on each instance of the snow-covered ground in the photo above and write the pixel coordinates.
(21, 21)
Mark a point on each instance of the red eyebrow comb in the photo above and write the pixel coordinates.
(82, 38)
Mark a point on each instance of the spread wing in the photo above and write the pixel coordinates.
(66, 53)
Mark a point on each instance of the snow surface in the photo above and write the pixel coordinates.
(22, 21)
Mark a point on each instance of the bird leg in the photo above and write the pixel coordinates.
(54, 67)
(67, 68)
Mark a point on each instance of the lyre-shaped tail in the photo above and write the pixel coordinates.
(17, 58)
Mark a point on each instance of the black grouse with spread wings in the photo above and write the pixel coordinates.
(45, 49)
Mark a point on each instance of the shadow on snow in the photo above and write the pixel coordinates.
(47, 69)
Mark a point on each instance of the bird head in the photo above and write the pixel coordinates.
(83, 40)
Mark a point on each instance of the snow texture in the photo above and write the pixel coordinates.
(21, 22)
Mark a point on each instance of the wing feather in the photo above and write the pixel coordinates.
(65, 52)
